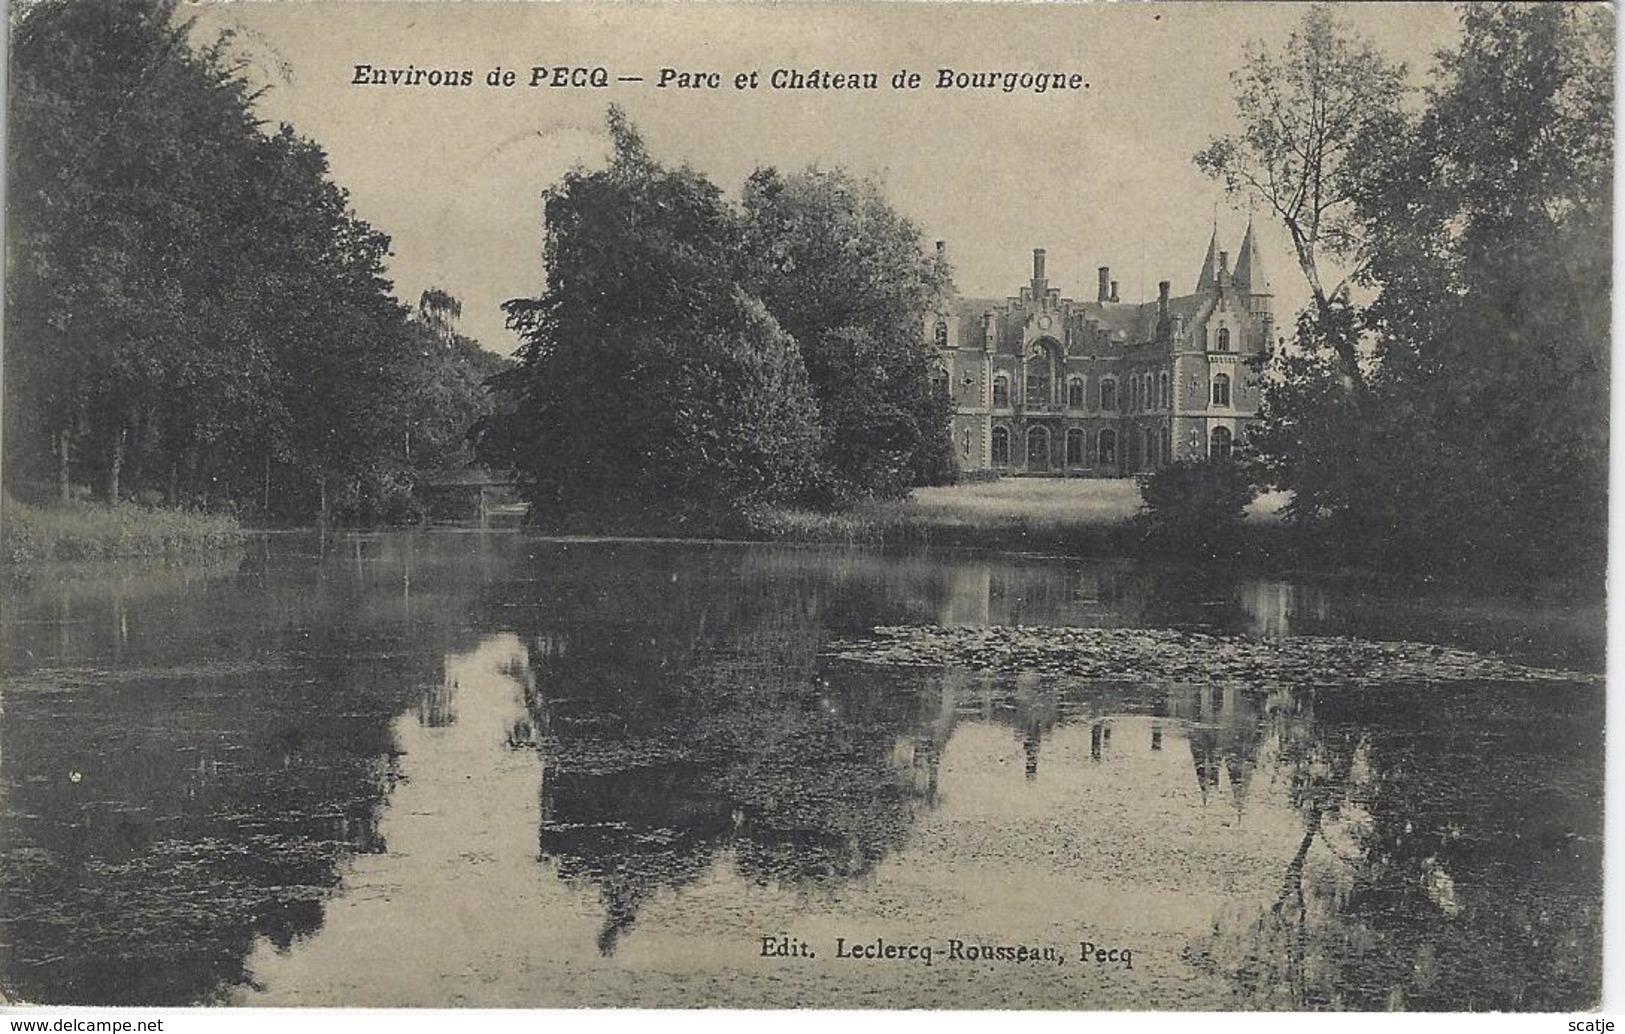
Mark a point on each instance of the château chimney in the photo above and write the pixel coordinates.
(1105, 284)
(1162, 297)
(1038, 270)
(1114, 291)
(1224, 269)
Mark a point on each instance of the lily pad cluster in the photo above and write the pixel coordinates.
(1171, 656)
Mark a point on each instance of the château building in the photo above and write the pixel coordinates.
(1042, 383)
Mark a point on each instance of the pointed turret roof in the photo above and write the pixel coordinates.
(1210, 265)
(1250, 275)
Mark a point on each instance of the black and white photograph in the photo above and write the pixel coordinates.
(1070, 507)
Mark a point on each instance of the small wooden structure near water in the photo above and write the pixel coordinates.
(474, 493)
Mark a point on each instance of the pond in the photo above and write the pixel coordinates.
(457, 768)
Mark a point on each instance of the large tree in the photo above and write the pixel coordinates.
(651, 390)
(1488, 235)
(1482, 226)
(848, 277)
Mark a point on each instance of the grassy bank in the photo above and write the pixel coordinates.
(1073, 516)
(87, 531)
(1066, 515)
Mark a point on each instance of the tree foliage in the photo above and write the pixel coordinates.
(691, 362)
(1196, 506)
(1484, 228)
(650, 389)
(194, 312)
(849, 279)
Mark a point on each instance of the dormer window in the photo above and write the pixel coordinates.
(1223, 344)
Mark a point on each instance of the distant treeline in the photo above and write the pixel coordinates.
(195, 315)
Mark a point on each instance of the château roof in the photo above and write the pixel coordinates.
(1210, 265)
(1126, 324)
(1250, 275)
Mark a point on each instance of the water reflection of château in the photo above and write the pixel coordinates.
(662, 758)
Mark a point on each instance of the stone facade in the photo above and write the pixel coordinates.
(1043, 384)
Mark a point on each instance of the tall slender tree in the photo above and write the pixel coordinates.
(1307, 114)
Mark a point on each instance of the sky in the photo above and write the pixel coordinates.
(1095, 176)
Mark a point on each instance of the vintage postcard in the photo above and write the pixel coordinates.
(1089, 506)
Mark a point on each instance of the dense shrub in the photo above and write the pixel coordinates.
(1196, 507)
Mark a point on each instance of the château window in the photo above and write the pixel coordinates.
(1074, 392)
(1075, 447)
(1221, 443)
(1108, 448)
(1167, 445)
(1001, 447)
(1162, 391)
(1038, 380)
(1001, 392)
(1221, 389)
(941, 334)
(1108, 394)
(1224, 340)
(939, 380)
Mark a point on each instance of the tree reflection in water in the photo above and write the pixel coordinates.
(191, 754)
(707, 725)
(1451, 856)
(231, 743)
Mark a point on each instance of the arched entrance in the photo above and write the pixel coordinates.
(1038, 448)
